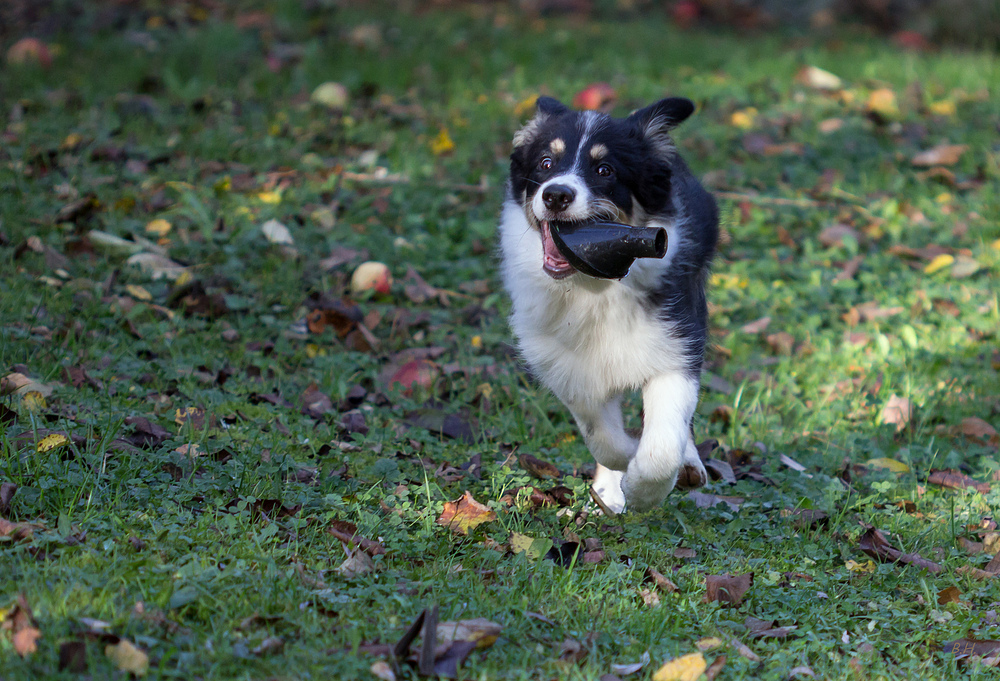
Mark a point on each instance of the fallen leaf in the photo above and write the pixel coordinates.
(358, 563)
(939, 262)
(949, 594)
(661, 582)
(743, 650)
(464, 514)
(315, 403)
(534, 548)
(713, 669)
(835, 234)
(941, 155)
(538, 468)
(650, 598)
(708, 643)
(26, 641)
(383, 670)
(956, 480)
(331, 95)
(705, 500)
(888, 464)
(277, 233)
(442, 144)
(979, 429)
(964, 266)
(128, 658)
(157, 266)
(757, 326)
(631, 668)
(896, 412)
(685, 668)
(875, 544)
(50, 442)
(727, 589)
(766, 628)
(882, 103)
(863, 568)
(817, 78)
(7, 490)
(480, 631)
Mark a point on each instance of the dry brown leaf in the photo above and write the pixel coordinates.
(358, 563)
(537, 467)
(743, 650)
(949, 594)
(979, 429)
(713, 669)
(480, 631)
(756, 326)
(874, 543)
(956, 480)
(649, 598)
(464, 514)
(835, 234)
(727, 589)
(662, 583)
(941, 155)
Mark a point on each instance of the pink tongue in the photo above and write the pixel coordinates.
(552, 254)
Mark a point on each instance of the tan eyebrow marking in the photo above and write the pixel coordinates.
(557, 146)
(598, 151)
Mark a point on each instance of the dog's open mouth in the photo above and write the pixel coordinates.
(553, 262)
(605, 250)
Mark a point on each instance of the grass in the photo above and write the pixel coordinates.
(179, 117)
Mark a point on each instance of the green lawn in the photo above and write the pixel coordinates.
(222, 429)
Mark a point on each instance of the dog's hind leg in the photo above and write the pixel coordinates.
(665, 450)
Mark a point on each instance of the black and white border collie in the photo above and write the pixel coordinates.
(592, 340)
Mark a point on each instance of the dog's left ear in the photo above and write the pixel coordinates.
(663, 116)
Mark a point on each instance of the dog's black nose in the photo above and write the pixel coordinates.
(557, 196)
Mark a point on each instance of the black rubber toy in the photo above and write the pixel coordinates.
(606, 250)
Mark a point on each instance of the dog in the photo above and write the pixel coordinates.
(590, 340)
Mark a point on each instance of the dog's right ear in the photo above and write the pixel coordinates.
(544, 108)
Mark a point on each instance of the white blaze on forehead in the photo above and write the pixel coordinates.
(589, 122)
(557, 146)
(598, 151)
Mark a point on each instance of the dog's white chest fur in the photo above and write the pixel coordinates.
(586, 338)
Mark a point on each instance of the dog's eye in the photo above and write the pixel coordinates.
(604, 170)
(545, 163)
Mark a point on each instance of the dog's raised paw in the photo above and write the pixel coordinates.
(692, 476)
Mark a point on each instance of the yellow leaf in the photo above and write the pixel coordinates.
(883, 102)
(535, 548)
(995, 245)
(939, 263)
(685, 668)
(476, 342)
(128, 658)
(526, 105)
(944, 107)
(864, 568)
(442, 144)
(138, 292)
(183, 279)
(50, 442)
(33, 401)
(71, 142)
(269, 197)
(708, 643)
(159, 227)
(889, 464)
(744, 118)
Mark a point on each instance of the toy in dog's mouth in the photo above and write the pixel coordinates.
(605, 250)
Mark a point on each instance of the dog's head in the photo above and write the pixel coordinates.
(579, 166)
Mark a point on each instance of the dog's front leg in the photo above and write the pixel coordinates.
(604, 433)
(666, 448)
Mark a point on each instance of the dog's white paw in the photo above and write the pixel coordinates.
(607, 490)
(645, 493)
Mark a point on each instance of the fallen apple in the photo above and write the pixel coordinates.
(28, 51)
(594, 96)
(371, 275)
